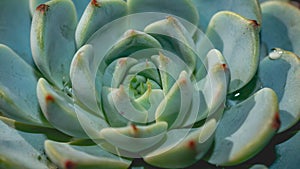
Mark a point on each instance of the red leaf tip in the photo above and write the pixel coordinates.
(69, 164)
(42, 8)
(192, 144)
(95, 3)
(135, 129)
(254, 23)
(49, 98)
(276, 121)
(224, 66)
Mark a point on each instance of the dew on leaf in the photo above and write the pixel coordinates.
(276, 53)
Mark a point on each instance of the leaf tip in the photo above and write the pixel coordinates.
(276, 121)
(122, 61)
(191, 144)
(49, 98)
(134, 128)
(224, 66)
(69, 164)
(254, 23)
(43, 8)
(170, 19)
(183, 81)
(95, 3)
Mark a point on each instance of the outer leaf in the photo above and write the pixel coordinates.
(21, 150)
(246, 128)
(288, 153)
(15, 27)
(237, 38)
(183, 147)
(83, 157)
(33, 4)
(16, 102)
(79, 4)
(282, 74)
(246, 8)
(49, 132)
(134, 138)
(97, 14)
(184, 8)
(281, 26)
(60, 110)
(52, 39)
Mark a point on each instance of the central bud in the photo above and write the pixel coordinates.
(139, 85)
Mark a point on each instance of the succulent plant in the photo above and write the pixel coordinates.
(185, 83)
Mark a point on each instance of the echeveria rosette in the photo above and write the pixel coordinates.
(139, 79)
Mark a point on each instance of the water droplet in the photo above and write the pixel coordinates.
(276, 53)
(237, 94)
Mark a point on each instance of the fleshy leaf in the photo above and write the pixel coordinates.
(135, 138)
(183, 8)
(288, 153)
(170, 66)
(70, 156)
(120, 108)
(110, 34)
(83, 74)
(53, 39)
(237, 38)
(150, 101)
(246, 128)
(183, 147)
(17, 89)
(60, 110)
(21, 150)
(246, 8)
(79, 4)
(173, 36)
(130, 42)
(33, 4)
(281, 26)
(116, 71)
(281, 72)
(97, 14)
(50, 133)
(215, 83)
(114, 117)
(176, 103)
(15, 27)
(212, 89)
